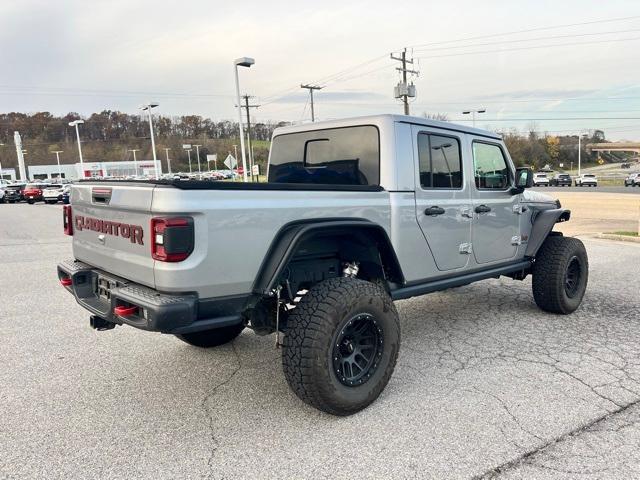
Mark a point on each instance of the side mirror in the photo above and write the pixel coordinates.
(524, 179)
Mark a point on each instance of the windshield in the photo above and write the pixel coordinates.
(335, 156)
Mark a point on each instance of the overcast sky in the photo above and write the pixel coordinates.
(86, 56)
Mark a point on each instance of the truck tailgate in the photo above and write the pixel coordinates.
(111, 228)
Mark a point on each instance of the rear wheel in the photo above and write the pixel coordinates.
(560, 274)
(341, 345)
(212, 338)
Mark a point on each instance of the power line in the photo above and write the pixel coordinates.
(528, 30)
(521, 40)
(530, 48)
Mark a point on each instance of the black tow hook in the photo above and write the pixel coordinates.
(100, 323)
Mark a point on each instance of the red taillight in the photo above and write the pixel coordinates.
(67, 220)
(171, 238)
(125, 311)
(66, 282)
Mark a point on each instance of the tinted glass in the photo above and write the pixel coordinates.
(440, 161)
(338, 156)
(490, 166)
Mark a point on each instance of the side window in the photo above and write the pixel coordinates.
(490, 166)
(440, 162)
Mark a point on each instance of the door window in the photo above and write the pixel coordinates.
(440, 161)
(490, 166)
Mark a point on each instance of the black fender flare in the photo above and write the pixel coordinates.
(543, 222)
(291, 235)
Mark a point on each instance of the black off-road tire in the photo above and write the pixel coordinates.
(312, 356)
(560, 274)
(212, 338)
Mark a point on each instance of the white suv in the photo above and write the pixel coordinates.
(540, 180)
(586, 180)
(633, 180)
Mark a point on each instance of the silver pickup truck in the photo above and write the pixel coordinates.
(356, 213)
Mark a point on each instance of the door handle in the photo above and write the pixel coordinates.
(434, 211)
(482, 209)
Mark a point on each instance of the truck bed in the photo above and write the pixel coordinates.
(234, 226)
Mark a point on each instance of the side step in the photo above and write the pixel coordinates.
(459, 280)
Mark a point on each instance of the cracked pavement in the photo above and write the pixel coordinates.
(486, 386)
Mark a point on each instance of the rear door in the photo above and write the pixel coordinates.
(443, 198)
(496, 219)
(111, 225)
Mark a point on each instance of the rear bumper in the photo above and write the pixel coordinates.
(102, 293)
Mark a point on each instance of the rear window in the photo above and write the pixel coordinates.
(32, 186)
(590, 176)
(335, 156)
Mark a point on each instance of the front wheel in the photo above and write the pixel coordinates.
(212, 338)
(341, 345)
(560, 274)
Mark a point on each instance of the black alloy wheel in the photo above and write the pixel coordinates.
(572, 277)
(357, 350)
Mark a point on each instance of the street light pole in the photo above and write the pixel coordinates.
(189, 154)
(1, 175)
(473, 114)
(148, 108)
(241, 62)
(166, 150)
(198, 155)
(75, 123)
(135, 161)
(58, 152)
(579, 152)
(583, 132)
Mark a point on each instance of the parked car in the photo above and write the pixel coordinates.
(540, 179)
(66, 191)
(2, 193)
(52, 194)
(13, 192)
(32, 193)
(586, 180)
(561, 180)
(633, 180)
(325, 250)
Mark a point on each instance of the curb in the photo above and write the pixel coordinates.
(621, 238)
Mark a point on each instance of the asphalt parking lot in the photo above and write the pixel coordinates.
(486, 386)
(599, 189)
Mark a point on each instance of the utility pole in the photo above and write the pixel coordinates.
(166, 151)
(311, 88)
(402, 90)
(235, 152)
(247, 107)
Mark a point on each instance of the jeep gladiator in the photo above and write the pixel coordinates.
(356, 213)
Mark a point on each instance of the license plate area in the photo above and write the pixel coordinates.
(104, 286)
